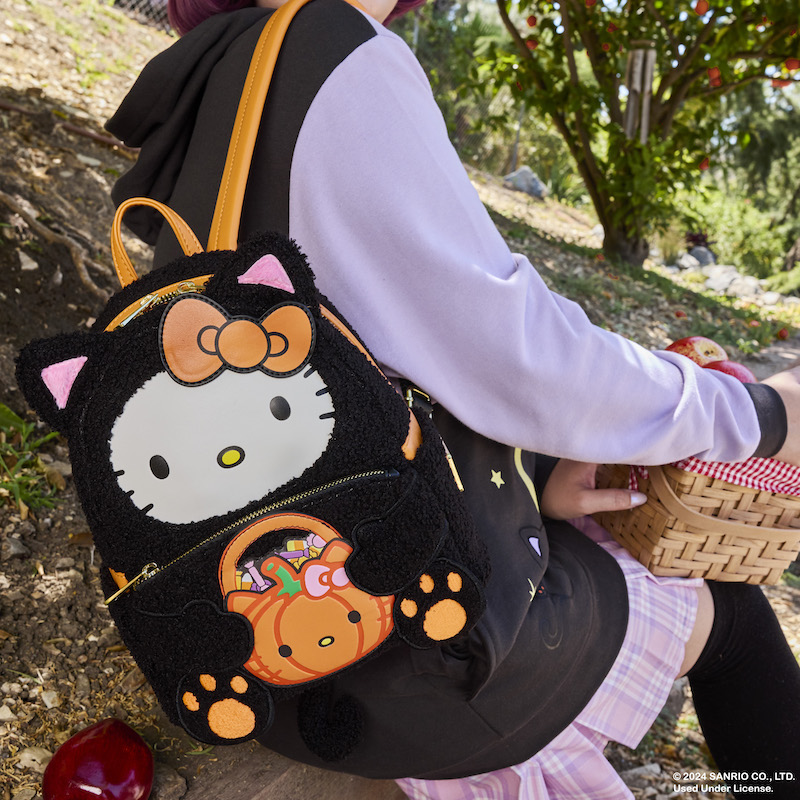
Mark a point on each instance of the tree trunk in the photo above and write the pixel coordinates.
(620, 244)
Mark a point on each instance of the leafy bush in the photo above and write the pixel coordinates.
(742, 233)
(786, 282)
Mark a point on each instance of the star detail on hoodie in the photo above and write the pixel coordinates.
(497, 478)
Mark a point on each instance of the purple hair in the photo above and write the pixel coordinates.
(403, 7)
(187, 14)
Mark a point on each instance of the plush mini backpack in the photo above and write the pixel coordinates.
(268, 508)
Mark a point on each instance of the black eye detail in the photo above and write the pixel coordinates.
(285, 650)
(159, 467)
(279, 407)
(354, 617)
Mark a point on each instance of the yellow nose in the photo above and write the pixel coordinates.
(230, 456)
(326, 641)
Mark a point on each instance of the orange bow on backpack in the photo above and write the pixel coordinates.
(199, 340)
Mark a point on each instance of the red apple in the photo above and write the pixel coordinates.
(734, 368)
(106, 761)
(700, 349)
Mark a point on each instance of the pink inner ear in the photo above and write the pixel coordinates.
(268, 271)
(58, 378)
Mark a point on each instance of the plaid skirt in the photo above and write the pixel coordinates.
(661, 618)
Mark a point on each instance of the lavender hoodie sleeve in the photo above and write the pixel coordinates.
(409, 255)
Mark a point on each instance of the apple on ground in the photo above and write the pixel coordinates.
(106, 761)
(734, 368)
(700, 349)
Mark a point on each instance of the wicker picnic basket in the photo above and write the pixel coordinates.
(699, 526)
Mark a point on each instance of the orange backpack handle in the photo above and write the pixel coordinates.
(189, 243)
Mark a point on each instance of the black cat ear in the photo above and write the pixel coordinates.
(272, 261)
(51, 372)
(267, 271)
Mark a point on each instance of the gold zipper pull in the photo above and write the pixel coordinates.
(147, 572)
(452, 464)
(144, 303)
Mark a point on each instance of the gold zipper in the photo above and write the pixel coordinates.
(151, 569)
(147, 572)
(156, 298)
(147, 301)
(159, 296)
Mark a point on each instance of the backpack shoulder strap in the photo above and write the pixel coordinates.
(227, 214)
(224, 231)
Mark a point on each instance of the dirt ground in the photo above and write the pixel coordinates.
(62, 663)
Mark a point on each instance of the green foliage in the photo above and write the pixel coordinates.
(443, 36)
(764, 132)
(786, 282)
(741, 233)
(569, 60)
(22, 476)
(490, 128)
(560, 176)
(763, 150)
(671, 242)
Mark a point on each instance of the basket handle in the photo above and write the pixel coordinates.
(122, 263)
(677, 509)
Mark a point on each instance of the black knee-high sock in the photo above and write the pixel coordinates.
(746, 689)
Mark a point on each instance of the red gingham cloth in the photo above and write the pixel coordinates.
(765, 474)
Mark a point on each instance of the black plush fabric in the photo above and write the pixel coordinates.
(408, 518)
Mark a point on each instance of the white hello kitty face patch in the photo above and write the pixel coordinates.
(187, 453)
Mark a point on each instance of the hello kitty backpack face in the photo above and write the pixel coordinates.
(268, 509)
